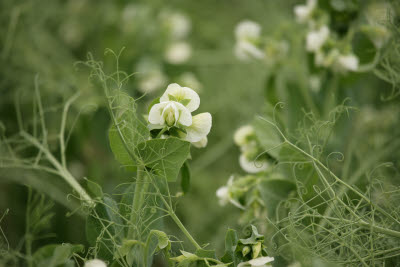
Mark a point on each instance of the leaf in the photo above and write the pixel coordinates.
(185, 175)
(94, 188)
(128, 131)
(203, 253)
(231, 241)
(254, 238)
(273, 191)
(103, 226)
(55, 255)
(268, 136)
(164, 156)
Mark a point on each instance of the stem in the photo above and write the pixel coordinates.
(28, 236)
(141, 187)
(63, 172)
(183, 229)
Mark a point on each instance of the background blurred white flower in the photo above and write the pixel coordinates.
(242, 134)
(347, 62)
(258, 262)
(252, 166)
(315, 39)
(177, 24)
(189, 79)
(303, 12)
(95, 263)
(178, 52)
(247, 30)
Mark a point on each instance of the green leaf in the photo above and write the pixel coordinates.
(94, 188)
(254, 238)
(164, 156)
(203, 253)
(273, 191)
(55, 255)
(185, 175)
(231, 241)
(268, 136)
(128, 131)
(103, 226)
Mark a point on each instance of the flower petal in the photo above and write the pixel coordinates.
(155, 114)
(185, 117)
(202, 143)
(260, 261)
(252, 166)
(201, 126)
(181, 93)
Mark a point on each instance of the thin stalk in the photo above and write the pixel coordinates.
(62, 171)
(141, 188)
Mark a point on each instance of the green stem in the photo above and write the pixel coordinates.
(183, 229)
(141, 188)
(63, 172)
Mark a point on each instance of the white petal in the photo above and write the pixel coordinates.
(315, 39)
(95, 263)
(201, 126)
(155, 114)
(185, 117)
(252, 166)
(348, 62)
(247, 30)
(260, 261)
(181, 93)
(178, 53)
(245, 50)
(202, 143)
(241, 134)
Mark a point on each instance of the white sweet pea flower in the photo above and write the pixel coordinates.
(316, 39)
(254, 166)
(347, 62)
(177, 24)
(185, 95)
(223, 195)
(151, 81)
(170, 113)
(241, 135)
(178, 53)
(189, 79)
(245, 50)
(258, 262)
(303, 12)
(200, 127)
(202, 143)
(95, 263)
(247, 30)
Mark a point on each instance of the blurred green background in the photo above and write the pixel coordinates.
(47, 37)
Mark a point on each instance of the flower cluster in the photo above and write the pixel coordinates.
(250, 44)
(330, 49)
(168, 26)
(173, 116)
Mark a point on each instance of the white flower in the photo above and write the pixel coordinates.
(223, 195)
(177, 24)
(202, 143)
(175, 92)
(347, 62)
(316, 39)
(190, 80)
(200, 127)
(303, 12)
(178, 52)
(247, 30)
(252, 166)
(245, 50)
(241, 135)
(258, 262)
(315, 83)
(152, 81)
(95, 263)
(170, 113)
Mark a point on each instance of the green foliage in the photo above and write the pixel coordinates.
(56, 255)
